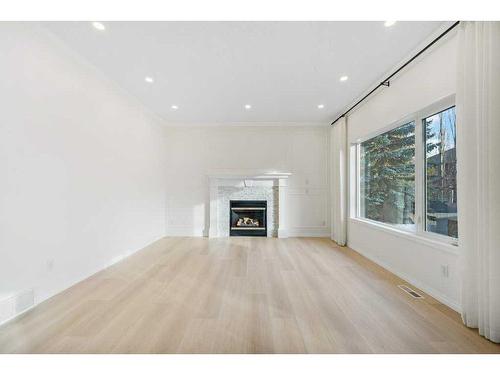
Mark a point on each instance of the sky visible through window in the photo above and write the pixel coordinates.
(448, 122)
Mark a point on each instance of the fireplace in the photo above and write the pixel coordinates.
(248, 218)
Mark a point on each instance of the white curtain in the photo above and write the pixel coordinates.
(338, 142)
(478, 152)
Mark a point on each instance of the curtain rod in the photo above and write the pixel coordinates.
(386, 82)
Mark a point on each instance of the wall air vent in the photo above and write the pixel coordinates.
(410, 291)
(16, 304)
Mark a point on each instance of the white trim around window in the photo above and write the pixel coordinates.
(437, 240)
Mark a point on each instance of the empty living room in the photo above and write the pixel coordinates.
(184, 181)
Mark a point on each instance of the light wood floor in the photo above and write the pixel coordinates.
(241, 295)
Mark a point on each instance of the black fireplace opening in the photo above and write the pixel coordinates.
(248, 218)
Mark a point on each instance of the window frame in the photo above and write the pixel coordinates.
(420, 175)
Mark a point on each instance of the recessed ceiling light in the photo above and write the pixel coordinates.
(99, 26)
(321, 106)
(248, 106)
(174, 107)
(149, 79)
(343, 78)
(389, 23)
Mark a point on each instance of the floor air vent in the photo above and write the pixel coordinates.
(410, 291)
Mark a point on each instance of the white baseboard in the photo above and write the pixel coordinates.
(185, 231)
(283, 233)
(418, 284)
(309, 232)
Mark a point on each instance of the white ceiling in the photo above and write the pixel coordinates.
(210, 70)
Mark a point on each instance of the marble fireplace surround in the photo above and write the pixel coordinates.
(246, 178)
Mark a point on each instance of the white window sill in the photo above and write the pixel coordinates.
(444, 245)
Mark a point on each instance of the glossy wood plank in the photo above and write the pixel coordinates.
(241, 295)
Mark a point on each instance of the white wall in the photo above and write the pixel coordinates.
(196, 150)
(82, 167)
(424, 82)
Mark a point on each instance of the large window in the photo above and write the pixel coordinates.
(441, 173)
(387, 177)
(407, 175)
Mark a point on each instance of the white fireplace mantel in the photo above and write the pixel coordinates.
(247, 178)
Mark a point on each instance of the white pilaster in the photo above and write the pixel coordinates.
(282, 204)
(213, 228)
